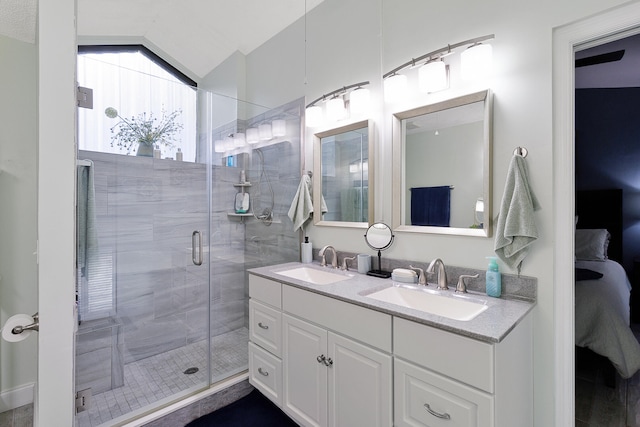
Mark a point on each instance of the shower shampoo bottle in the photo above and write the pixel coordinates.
(493, 278)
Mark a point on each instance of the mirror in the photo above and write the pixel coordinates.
(343, 166)
(442, 167)
(379, 237)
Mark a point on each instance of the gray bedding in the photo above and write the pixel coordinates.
(602, 316)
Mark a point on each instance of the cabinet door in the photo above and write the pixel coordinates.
(359, 384)
(305, 375)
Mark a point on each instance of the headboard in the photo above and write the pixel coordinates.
(602, 209)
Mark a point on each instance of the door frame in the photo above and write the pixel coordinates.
(54, 398)
(611, 24)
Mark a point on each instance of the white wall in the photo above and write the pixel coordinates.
(350, 41)
(18, 160)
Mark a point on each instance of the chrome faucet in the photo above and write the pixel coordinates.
(462, 287)
(344, 266)
(422, 278)
(441, 273)
(334, 260)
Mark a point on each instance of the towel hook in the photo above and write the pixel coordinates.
(520, 151)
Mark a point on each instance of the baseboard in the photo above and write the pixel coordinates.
(14, 398)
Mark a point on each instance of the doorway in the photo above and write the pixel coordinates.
(566, 41)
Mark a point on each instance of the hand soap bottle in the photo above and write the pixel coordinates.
(306, 251)
(493, 279)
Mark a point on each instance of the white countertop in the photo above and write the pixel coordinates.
(492, 325)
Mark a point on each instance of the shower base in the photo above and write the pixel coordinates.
(161, 377)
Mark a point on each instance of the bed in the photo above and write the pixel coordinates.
(602, 288)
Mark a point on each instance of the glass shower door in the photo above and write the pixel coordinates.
(143, 273)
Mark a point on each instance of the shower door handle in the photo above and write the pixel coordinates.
(196, 236)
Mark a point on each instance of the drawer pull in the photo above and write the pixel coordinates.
(266, 374)
(444, 416)
(263, 326)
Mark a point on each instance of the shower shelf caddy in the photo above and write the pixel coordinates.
(243, 186)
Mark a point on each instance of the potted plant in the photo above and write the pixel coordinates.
(143, 132)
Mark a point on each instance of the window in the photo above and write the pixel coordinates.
(134, 81)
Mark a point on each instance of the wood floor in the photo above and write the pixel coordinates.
(600, 406)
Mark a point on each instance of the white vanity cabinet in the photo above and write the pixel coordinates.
(444, 379)
(336, 362)
(265, 337)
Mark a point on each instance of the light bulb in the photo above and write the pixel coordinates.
(335, 109)
(239, 139)
(359, 101)
(252, 136)
(395, 87)
(476, 62)
(432, 77)
(313, 116)
(279, 128)
(264, 132)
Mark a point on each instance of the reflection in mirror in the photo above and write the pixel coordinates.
(441, 176)
(379, 237)
(343, 158)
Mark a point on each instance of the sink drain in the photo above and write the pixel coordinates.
(190, 371)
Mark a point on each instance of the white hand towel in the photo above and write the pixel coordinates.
(516, 228)
(302, 205)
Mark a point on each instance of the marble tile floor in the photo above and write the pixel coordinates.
(597, 405)
(159, 377)
(19, 417)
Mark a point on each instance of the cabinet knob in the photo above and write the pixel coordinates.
(321, 359)
(328, 362)
(263, 326)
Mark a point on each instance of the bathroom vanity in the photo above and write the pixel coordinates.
(329, 355)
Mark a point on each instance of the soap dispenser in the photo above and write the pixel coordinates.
(493, 278)
(306, 251)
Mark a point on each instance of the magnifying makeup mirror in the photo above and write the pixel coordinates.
(379, 237)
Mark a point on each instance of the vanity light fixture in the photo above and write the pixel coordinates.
(433, 76)
(470, 60)
(359, 101)
(476, 62)
(395, 87)
(335, 104)
(336, 109)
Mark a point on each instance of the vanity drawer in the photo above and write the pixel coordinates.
(451, 403)
(368, 326)
(455, 356)
(265, 327)
(265, 373)
(265, 290)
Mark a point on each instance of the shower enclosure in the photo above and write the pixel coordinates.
(162, 289)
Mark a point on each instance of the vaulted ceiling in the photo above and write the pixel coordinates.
(199, 34)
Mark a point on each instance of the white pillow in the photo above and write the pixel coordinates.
(592, 244)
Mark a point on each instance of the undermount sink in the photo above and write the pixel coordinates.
(456, 307)
(314, 275)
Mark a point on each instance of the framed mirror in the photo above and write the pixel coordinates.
(442, 167)
(343, 175)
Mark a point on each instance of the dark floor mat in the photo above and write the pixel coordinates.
(253, 410)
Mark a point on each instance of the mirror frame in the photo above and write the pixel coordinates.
(398, 164)
(317, 172)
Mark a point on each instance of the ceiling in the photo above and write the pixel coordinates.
(199, 34)
(622, 73)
